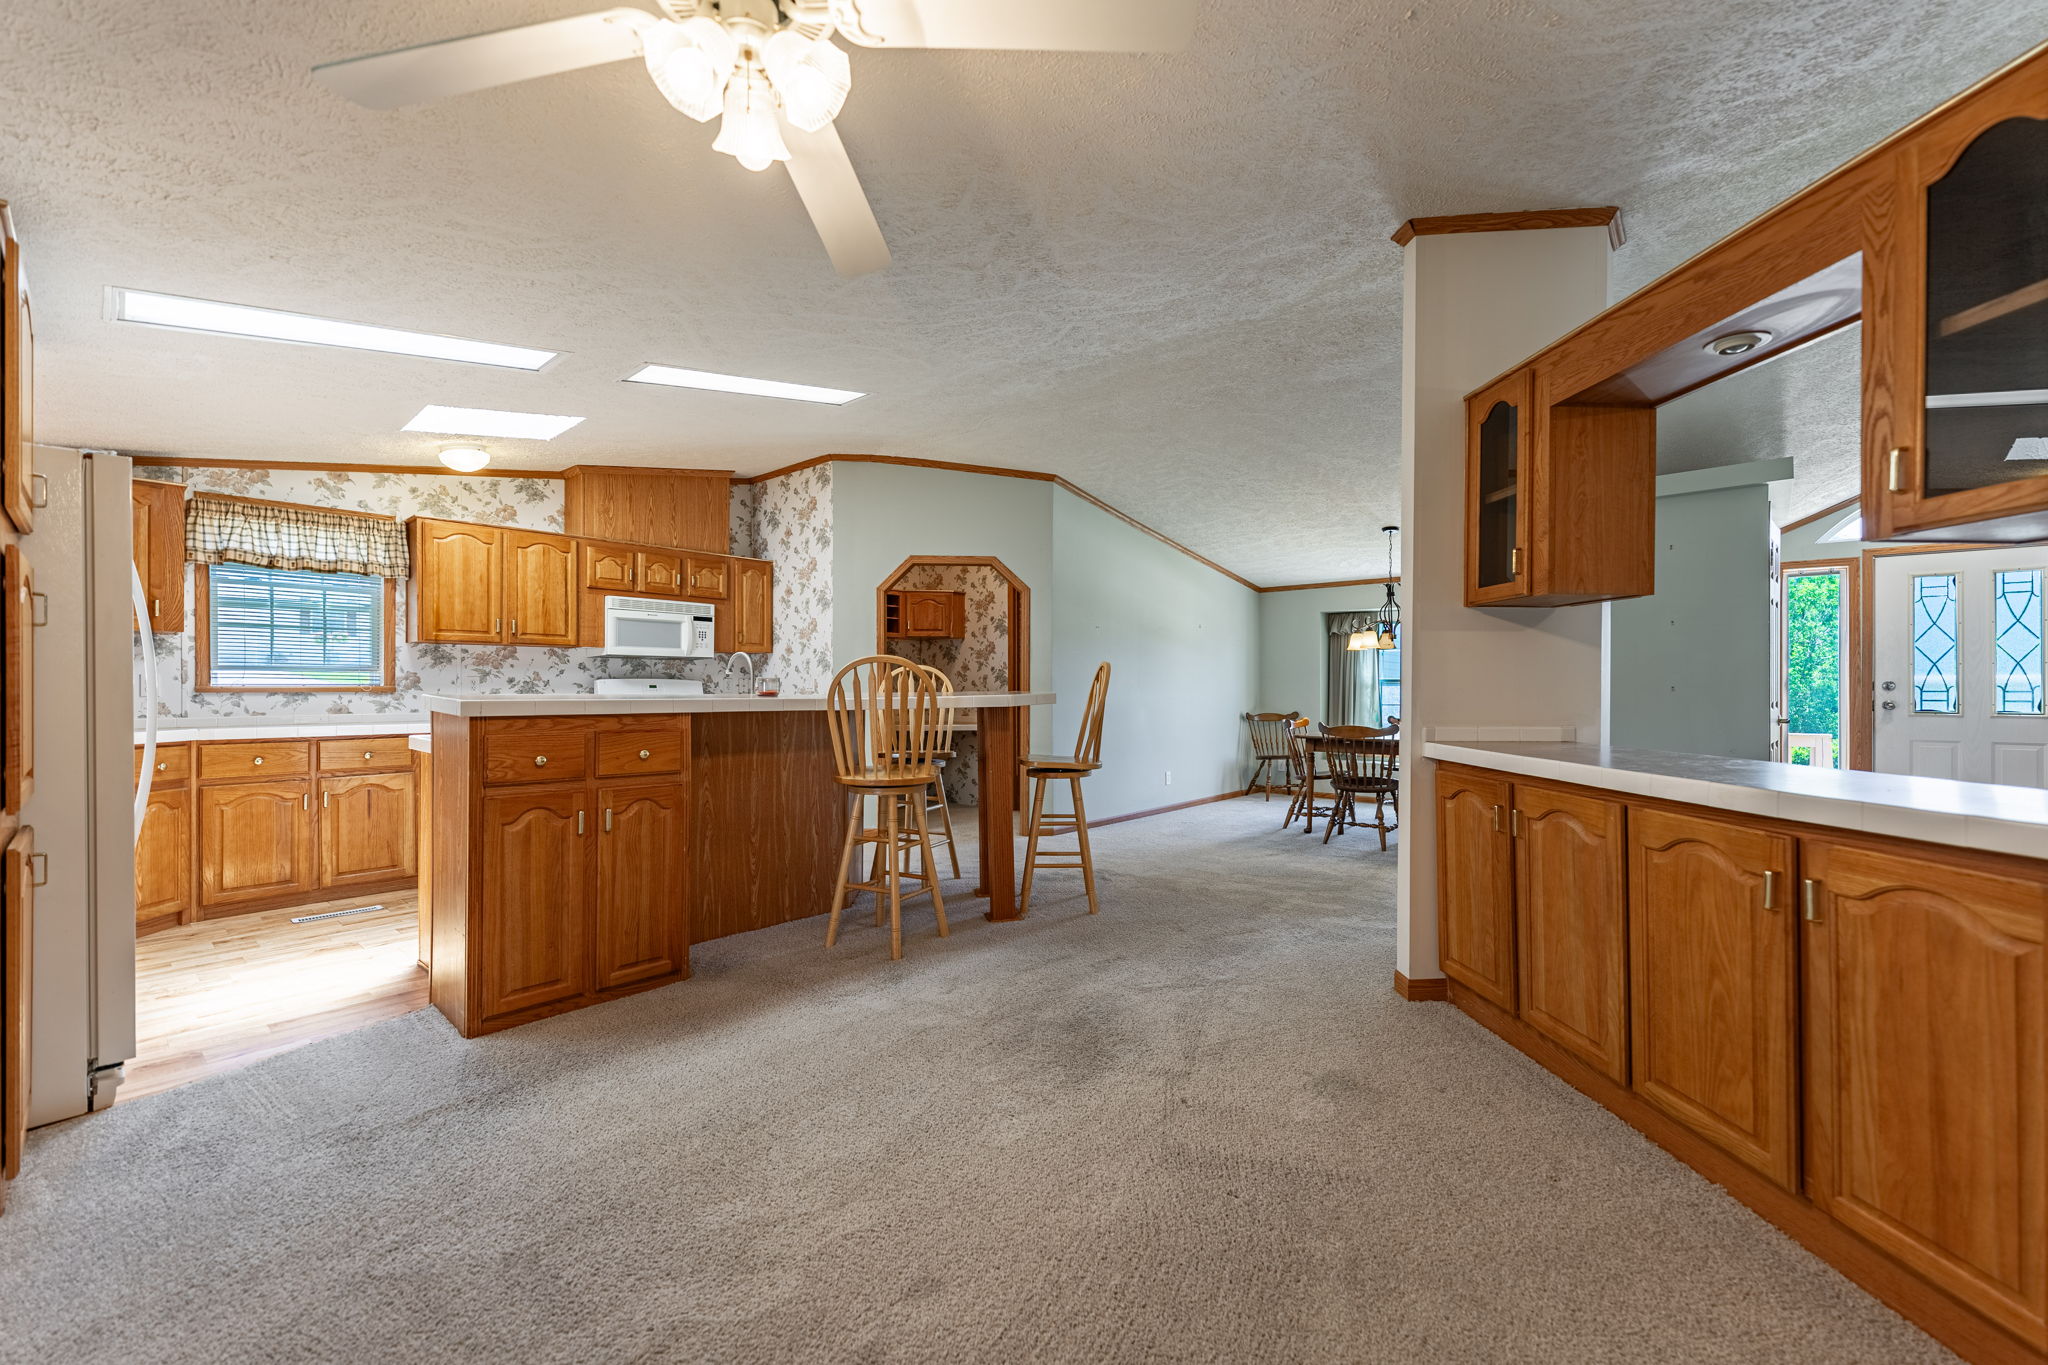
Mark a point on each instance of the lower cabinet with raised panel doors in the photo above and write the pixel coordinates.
(561, 876)
(1849, 1033)
(241, 825)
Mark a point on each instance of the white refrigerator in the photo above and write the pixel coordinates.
(90, 690)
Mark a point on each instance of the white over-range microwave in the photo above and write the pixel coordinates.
(654, 628)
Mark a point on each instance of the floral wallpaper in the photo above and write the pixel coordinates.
(532, 503)
(977, 662)
(792, 528)
(745, 497)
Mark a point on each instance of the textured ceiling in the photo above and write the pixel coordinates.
(1165, 278)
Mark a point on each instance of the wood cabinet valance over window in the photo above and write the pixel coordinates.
(276, 535)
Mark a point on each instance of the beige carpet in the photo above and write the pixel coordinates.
(1198, 1127)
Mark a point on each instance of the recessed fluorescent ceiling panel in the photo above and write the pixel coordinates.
(530, 426)
(735, 383)
(240, 320)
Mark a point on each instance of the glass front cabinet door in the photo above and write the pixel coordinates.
(1957, 373)
(1498, 422)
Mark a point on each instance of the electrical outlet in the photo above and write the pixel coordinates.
(1169, 777)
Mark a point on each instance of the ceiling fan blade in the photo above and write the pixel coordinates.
(1032, 25)
(457, 66)
(831, 192)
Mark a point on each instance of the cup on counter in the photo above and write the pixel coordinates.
(770, 686)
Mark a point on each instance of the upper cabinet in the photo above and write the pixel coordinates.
(17, 383)
(1560, 498)
(492, 585)
(159, 525)
(687, 509)
(1957, 384)
(746, 624)
(706, 578)
(909, 614)
(609, 568)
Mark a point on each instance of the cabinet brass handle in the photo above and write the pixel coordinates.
(607, 819)
(1496, 820)
(646, 754)
(515, 625)
(1515, 562)
(324, 801)
(163, 767)
(156, 606)
(579, 822)
(1897, 482)
(305, 800)
(497, 625)
(540, 760)
(1809, 900)
(366, 753)
(1771, 889)
(1515, 822)
(258, 760)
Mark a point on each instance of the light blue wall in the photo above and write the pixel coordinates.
(1690, 666)
(1293, 644)
(882, 514)
(1182, 642)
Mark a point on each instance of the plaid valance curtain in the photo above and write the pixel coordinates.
(275, 535)
(1344, 622)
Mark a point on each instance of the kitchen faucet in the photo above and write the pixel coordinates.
(725, 674)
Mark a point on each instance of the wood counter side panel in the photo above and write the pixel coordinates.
(765, 820)
(455, 792)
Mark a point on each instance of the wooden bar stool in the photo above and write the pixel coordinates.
(884, 717)
(1046, 768)
(1270, 731)
(941, 756)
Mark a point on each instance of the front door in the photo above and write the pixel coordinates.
(1956, 661)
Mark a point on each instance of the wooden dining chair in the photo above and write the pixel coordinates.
(1044, 769)
(943, 755)
(1270, 731)
(883, 713)
(1361, 759)
(1311, 774)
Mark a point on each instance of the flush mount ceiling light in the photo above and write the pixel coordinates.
(525, 426)
(1738, 343)
(268, 324)
(767, 69)
(736, 383)
(465, 459)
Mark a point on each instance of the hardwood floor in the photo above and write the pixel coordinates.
(223, 993)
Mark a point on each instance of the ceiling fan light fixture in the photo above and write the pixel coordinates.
(692, 64)
(810, 75)
(749, 132)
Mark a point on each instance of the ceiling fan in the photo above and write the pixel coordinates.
(767, 69)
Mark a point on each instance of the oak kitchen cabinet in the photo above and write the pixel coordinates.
(685, 508)
(1859, 1026)
(159, 526)
(476, 584)
(242, 825)
(1712, 940)
(746, 624)
(572, 834)
(1927, 1067)
(918, 614)
(1560, 499)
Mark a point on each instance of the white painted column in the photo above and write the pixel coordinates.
(1474, 305)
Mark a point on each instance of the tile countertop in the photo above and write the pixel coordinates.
(178, 730)
(584, 704)
(1962, 814)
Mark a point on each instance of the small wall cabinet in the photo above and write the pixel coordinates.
(242, 825)
(490, 585)
(706, 578)
(1958, 328)
(746, 624)
(909, 614)
(685, 508)
(1560, 499)
(159, 526)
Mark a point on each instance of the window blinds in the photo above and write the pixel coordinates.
(289, 628)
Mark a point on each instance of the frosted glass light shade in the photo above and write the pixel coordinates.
(692, 64)
(811, 76)
(748, 132)
(465, 459)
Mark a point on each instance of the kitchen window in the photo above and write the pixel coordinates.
(293, 630)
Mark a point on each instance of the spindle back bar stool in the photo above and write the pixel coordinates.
(942, 756)
(1043, 769)
(884, 717)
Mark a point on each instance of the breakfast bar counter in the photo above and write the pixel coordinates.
(576, 845)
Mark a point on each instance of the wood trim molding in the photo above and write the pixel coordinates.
(1605, 215)
(1844, 505)
(1000, 470)
(1856, 627)
(1960, 1329)
(1333, 583)
(440, 471)
(1422, 988)
(1094, 823)
(1164, 539)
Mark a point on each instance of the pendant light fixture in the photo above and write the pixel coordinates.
(1378, 630)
